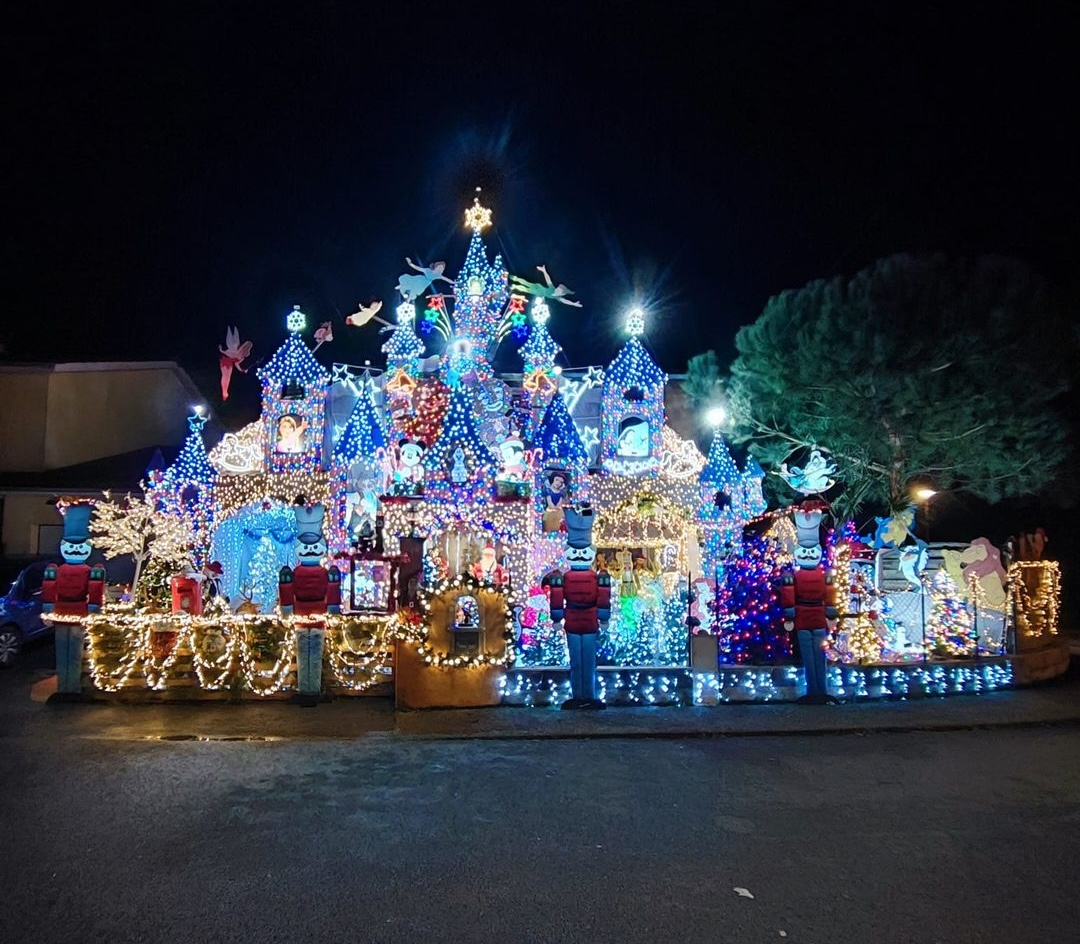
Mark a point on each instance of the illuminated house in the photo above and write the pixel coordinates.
(445, 484)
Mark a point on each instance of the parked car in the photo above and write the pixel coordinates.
(20, 613)
(20, 608)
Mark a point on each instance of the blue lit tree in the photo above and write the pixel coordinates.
(750, 615)
(186, 487)
(363, 434)
(459, 462)
(558, 437)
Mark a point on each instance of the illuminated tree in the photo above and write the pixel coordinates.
(750, 614)
(136, 526)
(262, 574)
(950, 631)
(917, 367)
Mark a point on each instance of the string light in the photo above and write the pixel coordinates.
(1036, 609)
(445, 593)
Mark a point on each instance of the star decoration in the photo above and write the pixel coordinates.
(340, 373)
(477, 217)
(594, 377)
(197, 421)
(571, 391)
(516, 304)
(590, 437)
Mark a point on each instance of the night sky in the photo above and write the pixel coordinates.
(176, 167)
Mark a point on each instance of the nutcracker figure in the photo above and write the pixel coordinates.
(74, 588)
(808, 598)
(582, 598)
(309, 588)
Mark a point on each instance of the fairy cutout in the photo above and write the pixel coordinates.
(413, 286)
(232, 356)
(324, 334)
(550, 290)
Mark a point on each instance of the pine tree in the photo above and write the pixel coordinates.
(917, 366)
(703, 382)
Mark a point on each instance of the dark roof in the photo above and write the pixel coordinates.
(121, 472)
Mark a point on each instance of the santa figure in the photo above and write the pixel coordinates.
(808, 598)
(74, 588)
(488, 569)
(310, 588)
(581, 598)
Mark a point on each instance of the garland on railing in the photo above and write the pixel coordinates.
(228, 648)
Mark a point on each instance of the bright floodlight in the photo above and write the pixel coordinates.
(716, 416)
(635, 321)
(925, 493)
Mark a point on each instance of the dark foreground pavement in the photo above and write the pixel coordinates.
(931, 836)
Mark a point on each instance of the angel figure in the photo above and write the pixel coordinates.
(551, 290)
(368, 313)
(413, 286)
(232, 355)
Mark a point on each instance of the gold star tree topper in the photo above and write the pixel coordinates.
(477, 216)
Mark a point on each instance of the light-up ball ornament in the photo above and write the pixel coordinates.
(716, 416)
(540, 312)
(635, 321)
(296, 320)
(406, 312)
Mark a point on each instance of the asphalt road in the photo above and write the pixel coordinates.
(951, 837)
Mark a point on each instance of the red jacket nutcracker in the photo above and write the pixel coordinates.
(74, 588)
(809, 601)
(582, 598)
(310, 588)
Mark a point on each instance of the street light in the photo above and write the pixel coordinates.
(716, 416)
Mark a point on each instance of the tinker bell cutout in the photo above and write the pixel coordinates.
(413, 286)
(551, 290)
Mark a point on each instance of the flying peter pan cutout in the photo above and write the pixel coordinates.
(550, 290)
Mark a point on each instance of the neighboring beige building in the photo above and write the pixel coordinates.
(78, 429)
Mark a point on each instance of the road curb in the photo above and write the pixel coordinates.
(669, 734)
